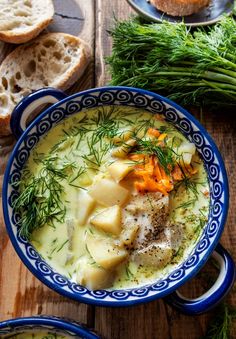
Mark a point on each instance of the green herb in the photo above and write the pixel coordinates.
(190, 67)
(62, 245)
(187, 204)
(51, 336)
(81, 171)
(97, 151)
(129, 274)
(163, 153)
(40, 200)
(107, 126)
(220, 326)
(189, 183)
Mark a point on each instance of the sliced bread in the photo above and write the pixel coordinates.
(23, 20)
(180, 7)
(53, 59)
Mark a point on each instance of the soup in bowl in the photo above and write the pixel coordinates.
(115, 196)
(44, 327)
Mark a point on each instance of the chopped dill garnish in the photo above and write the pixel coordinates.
(97, 151)
(51, 336)
(40, 200)
(166, 129)
(187, 204)
(81, 171)
(106, 125)
(163, 153)
(62, 245)
(190, 184)
(90, 231)
(129, 274)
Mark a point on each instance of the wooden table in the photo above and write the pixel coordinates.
(23, 295)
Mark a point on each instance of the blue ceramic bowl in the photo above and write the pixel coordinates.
(66, 106)
(45, 323)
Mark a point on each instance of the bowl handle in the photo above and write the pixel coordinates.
(27, 105)
(215, 294)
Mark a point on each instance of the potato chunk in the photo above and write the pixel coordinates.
(122, 151)
(109, 220)
(94, 277)
(119, 169)
(105, 252)
(186, 150)
(107, 192)
(123, 135)
(85, 206)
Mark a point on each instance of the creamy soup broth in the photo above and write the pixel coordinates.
(114, 197)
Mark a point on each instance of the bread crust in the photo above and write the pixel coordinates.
(65, 80)
(5, 125)
(180, 7)
(77, 71)
(19, 37)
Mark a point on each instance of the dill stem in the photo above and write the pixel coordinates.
(181, 71)
(157, 75)
(230, 56)
(216, 69)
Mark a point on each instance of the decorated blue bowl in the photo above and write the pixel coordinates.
(207, 244)
(45, 323)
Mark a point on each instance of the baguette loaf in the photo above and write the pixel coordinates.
(53, 59)
(23, 20)
(180, 7)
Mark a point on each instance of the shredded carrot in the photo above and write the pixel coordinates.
(159, 117)
(152, 177)
(162, 137)
(154, 132)
(190, 170)
(179, 173)
(150, 186)
(137, 157)
(157, 172)
(206, 193)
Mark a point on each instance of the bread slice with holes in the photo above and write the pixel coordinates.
(23, 20)
(180, 7)
(53, 59)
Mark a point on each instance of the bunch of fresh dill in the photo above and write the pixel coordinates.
(190, 67)
(220, 326)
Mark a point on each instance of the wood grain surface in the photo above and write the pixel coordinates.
(21, 294)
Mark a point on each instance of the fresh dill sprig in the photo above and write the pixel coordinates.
(220, 326)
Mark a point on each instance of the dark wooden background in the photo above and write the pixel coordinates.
(23, 295)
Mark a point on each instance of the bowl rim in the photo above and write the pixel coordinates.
(114, 302)
(59, 323)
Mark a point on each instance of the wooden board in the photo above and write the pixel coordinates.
(21, 294)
